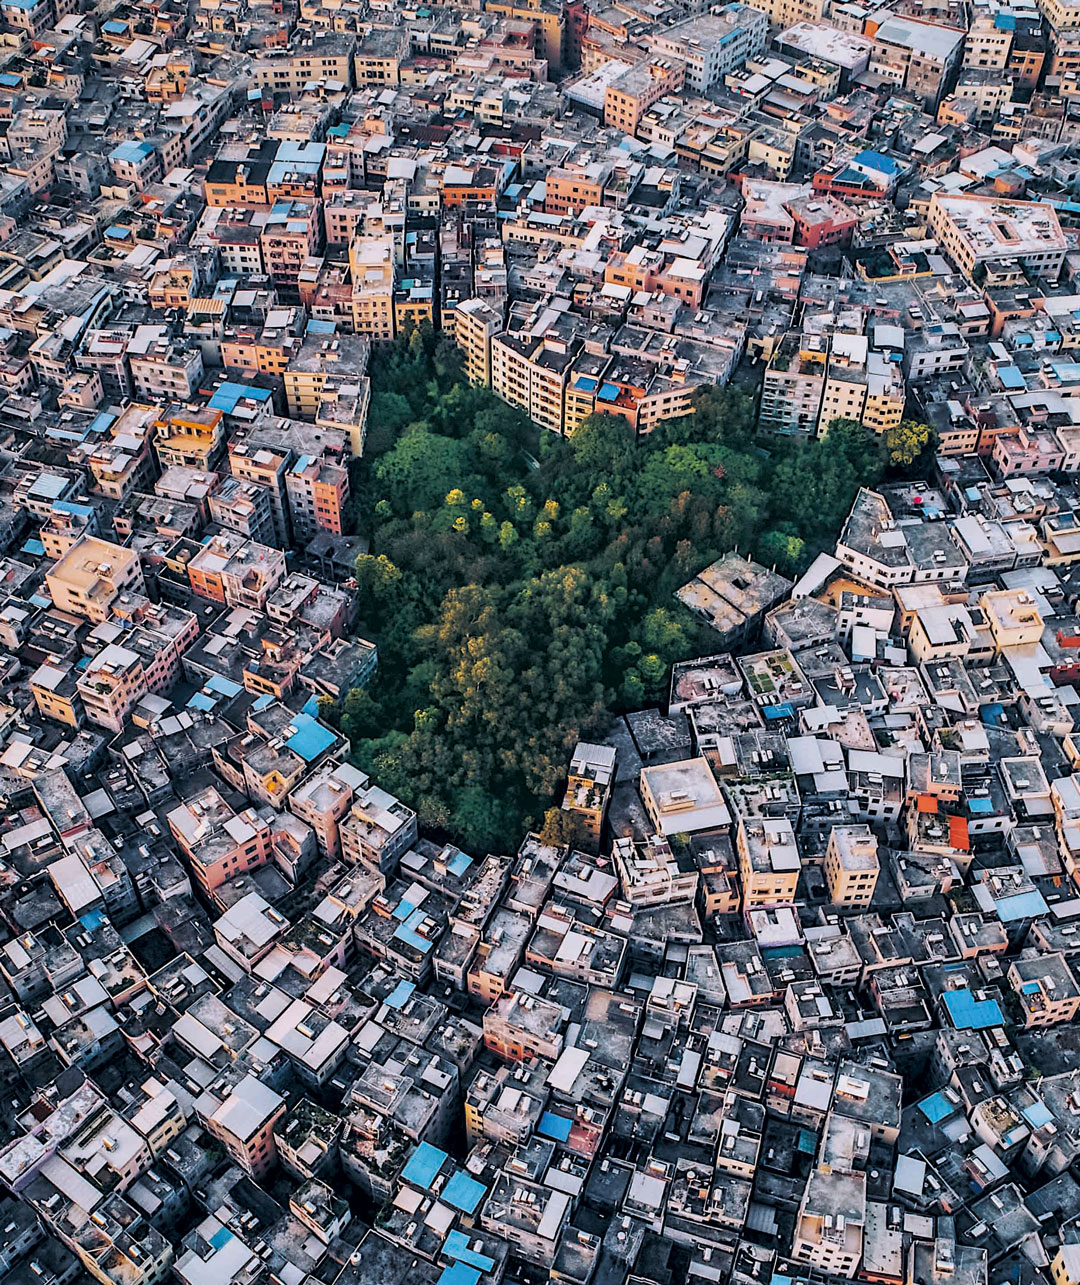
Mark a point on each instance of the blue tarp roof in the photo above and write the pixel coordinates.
(407, 933)
(400, 993)
(228, 394)
(463, 1192)
(34, 547)
(1025, 905)
(554, 1126)
(457, 1246)
(423, 1165)
(876, 161)
(459, 1274)
(937, 1107)
(970, 1014)
(310, 738)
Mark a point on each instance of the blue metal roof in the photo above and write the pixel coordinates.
(459, 863)
(970, 1014)
(459, 1274)
(784, 710)
(400, 994)
(228, 394)
(1037, 1114)
(310, 738)
(423, 1165)
(876, 161)
(457, 1246)
(937, 1107)
(463, 1192)
(130, 150)
(554, 1126)
(1024, 905)
(408, 934)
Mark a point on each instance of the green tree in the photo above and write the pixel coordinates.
(603, 444)
(419, 470)
(561, 827)
(907, 442)
(781, 549)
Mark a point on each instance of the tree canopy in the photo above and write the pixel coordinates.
(520, 584)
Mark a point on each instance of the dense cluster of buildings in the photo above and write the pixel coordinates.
(798, 998)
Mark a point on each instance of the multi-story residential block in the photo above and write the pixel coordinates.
(90, 579)
(851, 865)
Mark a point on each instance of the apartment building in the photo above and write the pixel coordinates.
(190, 437)
(378, 828)
(979, 233)
(91, 576)
(318, 494)
(588, 789)
(769, 862)
(475, 323)
(111, 685)
(161, 368)
(217, 842)
(290, 236)
(714, 44)
(851, 865)
(921, 57)
(634, 91)
(372, 262)
(324, 56)
(244, 1125)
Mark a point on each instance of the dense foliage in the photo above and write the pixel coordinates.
(520, 584)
